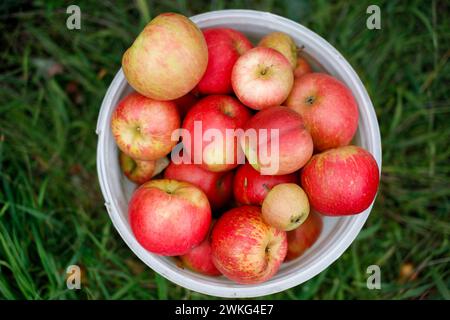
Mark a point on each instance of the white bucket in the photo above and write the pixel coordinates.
(337, 234)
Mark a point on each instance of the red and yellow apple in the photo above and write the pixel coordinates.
(285, 207)
(302, 67)
(302, 238)
(251, 187)
(244, 248)
(167, 59)
(225, 46)
(262, 78)
(328, 108)
(199, 258)
(216, 185)
(143, 127)
(169, 217)
(280, 143)
(140, 171)
(341, 181)
(205, 137)
(283, 43)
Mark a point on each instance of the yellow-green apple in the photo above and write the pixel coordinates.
(143, 127)
(140, 171)
(167, 59)
(283, 43)
(224, 48)
(262, 78)
(199, 258)
(169, 217)
(185, 103)
(328, 108)
(251, 187)
(302, 238)
(216, 185)
(209, 137)
(244, 248)
(276, 141)
(285, 207)
(341, 181)
(302, 67)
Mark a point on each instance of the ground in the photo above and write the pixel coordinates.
(52, 83)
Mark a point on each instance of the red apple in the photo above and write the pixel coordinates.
(199, 259)
(142, 127)
(214, 114)
(169, 217)
(302, 67)
(225, 46)
(285, 207)
(139, 171)
(244, 248)
(185, 103)
(302, 238)
(216, 185)
(341, 181)
(280, 143)
(262, 78)
(328, 108)
(167, 59)
(283, 43)
(251, 187)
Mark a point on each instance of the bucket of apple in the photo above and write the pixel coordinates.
(238, 152)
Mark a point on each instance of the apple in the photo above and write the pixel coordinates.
(185, 103)
(302, 67)
(281, 144)
(285, 207)
(302, 238)
(199, 259)
(167, 59)
(244, 248)
(142, 127)
(251, 187)
(216, 114)
(216, 185)
(341, 181)
(283, 43)
(328, 108)
(169, 217)
(225, 46)
(262, 78)
(140, 171)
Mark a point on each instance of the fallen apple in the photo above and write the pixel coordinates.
(216, 185)
(285, 207)
(169, 217)
(302, 238)
(283, 43)
(328, 108)
(167, 59)
(262, 78)
(244, 248)
(225, 46)
(251, 187)
(341, 181)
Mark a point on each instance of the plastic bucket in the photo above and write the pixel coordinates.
(337, 234)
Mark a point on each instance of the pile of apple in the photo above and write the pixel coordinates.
(183, 76)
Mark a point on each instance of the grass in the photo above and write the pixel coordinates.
(52, 83)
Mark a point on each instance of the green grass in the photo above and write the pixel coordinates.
(51, 208)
